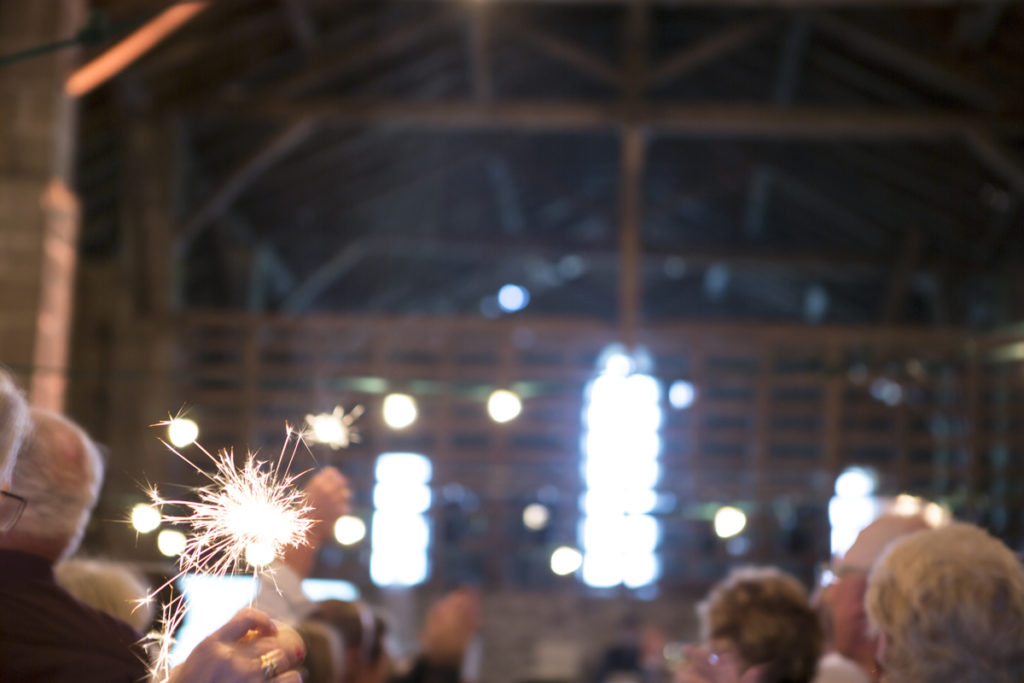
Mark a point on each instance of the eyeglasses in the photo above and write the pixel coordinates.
(11, 507)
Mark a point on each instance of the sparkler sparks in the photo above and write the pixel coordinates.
(333, 429)
(246, 515)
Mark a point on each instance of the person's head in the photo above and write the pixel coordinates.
(59, 471)
(14, 424)
(845, 597)
(363, 633)
(949, 606)
(111, 587)
(762, 616)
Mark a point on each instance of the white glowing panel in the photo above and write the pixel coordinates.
(412, 468)
(619, 464)
(400, 533)
(402, 496)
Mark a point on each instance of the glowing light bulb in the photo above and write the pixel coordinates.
(512, 298)
(349, 530)
(145, 518)
(399, 410)
(182, 432)
(566, 560)
(681, 394)
(504, 406)
(729, 521)
(170, 542)
(906, 505)
(536, 516)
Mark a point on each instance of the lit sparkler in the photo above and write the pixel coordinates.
(246, 515)
(333, 429)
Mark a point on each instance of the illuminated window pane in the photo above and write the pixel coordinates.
(412, 468)
(400, 533)
(602, 569)
(620, 445)
(402, 496)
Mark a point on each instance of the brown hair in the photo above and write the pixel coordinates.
(765, 614)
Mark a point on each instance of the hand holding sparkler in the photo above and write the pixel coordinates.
(328, 496)
(247, 649)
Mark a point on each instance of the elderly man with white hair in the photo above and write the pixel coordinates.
(948, 605)
(47, 635)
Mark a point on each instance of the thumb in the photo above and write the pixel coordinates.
(247, 619)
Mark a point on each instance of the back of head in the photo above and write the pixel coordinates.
(765, 614)
(59, 471)
(14, 424)
(950, 605)
(873, 539)
(111, 587)
(325, 652)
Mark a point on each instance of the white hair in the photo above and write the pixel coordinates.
(14, 424)
(109, 586)
(59, 471)
(950, 603)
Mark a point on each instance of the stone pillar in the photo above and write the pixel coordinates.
(38, 211)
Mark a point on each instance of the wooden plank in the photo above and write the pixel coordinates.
(805, 122)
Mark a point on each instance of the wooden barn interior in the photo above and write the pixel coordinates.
(803, 218)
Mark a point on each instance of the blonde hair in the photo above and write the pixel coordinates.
(111, 587)
(14, 424)
(950, 603)
(766, 615)
(59, 471)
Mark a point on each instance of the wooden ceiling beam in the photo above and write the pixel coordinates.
(300, 23)
(845, 262)
(708, 120)
(997, 159)
(709, 48)
(242, 176)
(918, 68)
(327, 62)
(565, 51)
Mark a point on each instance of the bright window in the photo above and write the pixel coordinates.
(620, 447)
(400, 534)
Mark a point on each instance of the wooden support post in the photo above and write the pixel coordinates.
(630, 233)
(902, 276)
(479, 33)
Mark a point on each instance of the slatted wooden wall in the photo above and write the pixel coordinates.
(779, 413)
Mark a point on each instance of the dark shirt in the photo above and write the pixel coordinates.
(423, 671)
(48, 635)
